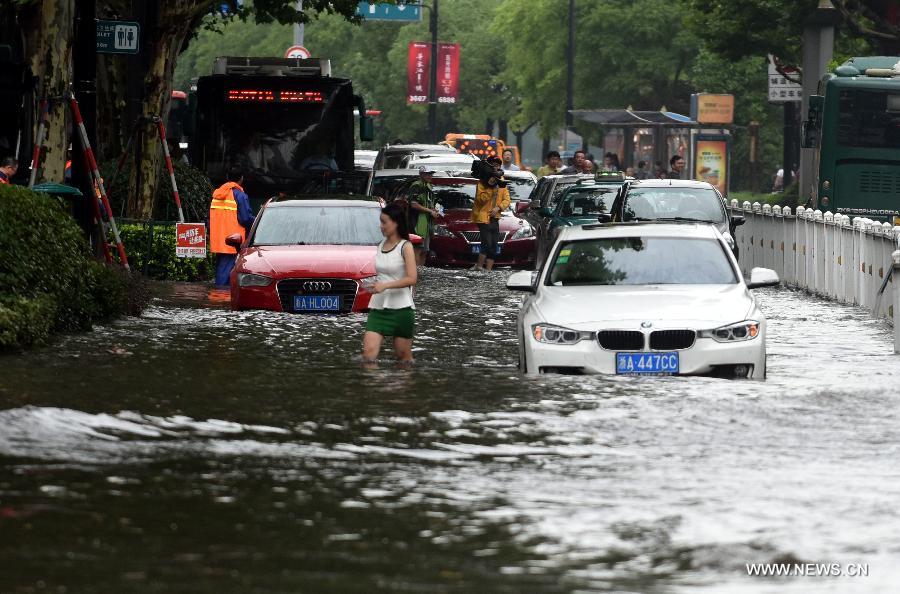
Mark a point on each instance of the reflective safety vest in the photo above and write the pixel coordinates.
(223, 219)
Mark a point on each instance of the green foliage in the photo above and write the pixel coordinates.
(49, 282)
(194, 189)
(151, 251)
(373, 55)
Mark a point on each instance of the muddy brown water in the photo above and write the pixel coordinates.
(214, 451)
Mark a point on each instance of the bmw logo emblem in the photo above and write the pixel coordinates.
(646, 324)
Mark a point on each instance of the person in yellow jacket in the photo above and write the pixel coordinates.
(490, 201)
(229, 213)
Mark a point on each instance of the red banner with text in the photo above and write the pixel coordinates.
(417, 72)
(448, 72)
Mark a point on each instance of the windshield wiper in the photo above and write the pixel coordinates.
(690, 219)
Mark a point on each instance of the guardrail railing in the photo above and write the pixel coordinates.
(830, 255)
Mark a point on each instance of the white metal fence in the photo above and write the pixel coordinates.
(827, 254)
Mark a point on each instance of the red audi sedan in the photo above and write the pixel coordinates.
(455, 240)
(308, 256)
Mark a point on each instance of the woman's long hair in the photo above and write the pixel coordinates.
(398, 214)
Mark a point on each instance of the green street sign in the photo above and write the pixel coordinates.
(118, 37)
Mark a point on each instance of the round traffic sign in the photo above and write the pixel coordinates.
(297, 51)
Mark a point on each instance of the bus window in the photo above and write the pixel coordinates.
(869, 119)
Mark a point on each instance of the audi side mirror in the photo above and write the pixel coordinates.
(737, 222)
(234, 240)
(522, 206)
(415, 239)
(605, 217)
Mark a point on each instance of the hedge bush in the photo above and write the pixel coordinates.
(150, 247)
(49, 281)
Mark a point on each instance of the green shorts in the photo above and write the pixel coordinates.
(399, 323)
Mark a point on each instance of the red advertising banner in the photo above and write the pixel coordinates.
(417, 72)
(448, 72)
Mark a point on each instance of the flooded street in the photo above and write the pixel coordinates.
(213, 451)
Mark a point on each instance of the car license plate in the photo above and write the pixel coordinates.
(476, 249)
(317, 303)
(647, 363)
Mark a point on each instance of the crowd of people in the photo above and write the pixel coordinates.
(583, 162)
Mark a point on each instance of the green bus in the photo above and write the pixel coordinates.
(854, 122)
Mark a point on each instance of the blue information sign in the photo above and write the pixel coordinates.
(377, 11)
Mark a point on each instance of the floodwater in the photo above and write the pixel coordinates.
(198, 450)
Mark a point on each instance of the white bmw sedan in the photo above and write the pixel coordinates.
(642, 299)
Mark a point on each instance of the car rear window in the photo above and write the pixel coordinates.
(642, 261)
(702, 204)
(319, 225)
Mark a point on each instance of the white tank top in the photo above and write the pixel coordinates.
(389, 266)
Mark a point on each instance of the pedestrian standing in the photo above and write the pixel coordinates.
(229, 214)
(508, 164)
(677, 167)
(422, 212)
(577, 165)
(490, 202)
(553, 165)
(8, 168)
(392, 311)
(641, 172)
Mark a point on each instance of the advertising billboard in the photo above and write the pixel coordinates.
(711, 161)
(448, 73)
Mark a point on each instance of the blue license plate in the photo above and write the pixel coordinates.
(476, 249)
(647, 363)
(317, 303)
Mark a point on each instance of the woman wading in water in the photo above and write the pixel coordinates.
(391, 310)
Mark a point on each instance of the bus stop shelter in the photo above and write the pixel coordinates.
(649, 136)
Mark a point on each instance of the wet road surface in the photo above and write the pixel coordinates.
(220, 452)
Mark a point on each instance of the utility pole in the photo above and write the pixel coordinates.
(818, 48)
(298, 27)
(85, 89)
(432, 85)
(570, 75)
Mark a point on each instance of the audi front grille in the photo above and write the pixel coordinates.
(345, 288)
(672, 340)
(621, 340)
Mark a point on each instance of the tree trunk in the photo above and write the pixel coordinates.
(163, 42)
(49, 28)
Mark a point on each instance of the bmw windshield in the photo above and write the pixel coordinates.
(649, 204)
(641, 261)
(318, 225)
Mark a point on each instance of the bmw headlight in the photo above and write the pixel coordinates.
(524, 231)
(549, 334)
(746, 330)
(245, 279)
(442, 231)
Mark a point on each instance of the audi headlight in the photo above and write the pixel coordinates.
(524, 231)
(245, 279)
(442, 231)
(747, 330)
(549, 334)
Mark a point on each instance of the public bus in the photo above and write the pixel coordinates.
(480, 145)
(286, 122)
(854, 122)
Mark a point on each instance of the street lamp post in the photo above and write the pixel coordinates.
(570, 75)
(432, 86)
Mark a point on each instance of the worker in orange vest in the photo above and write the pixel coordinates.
(8, 168)
(229, 214)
